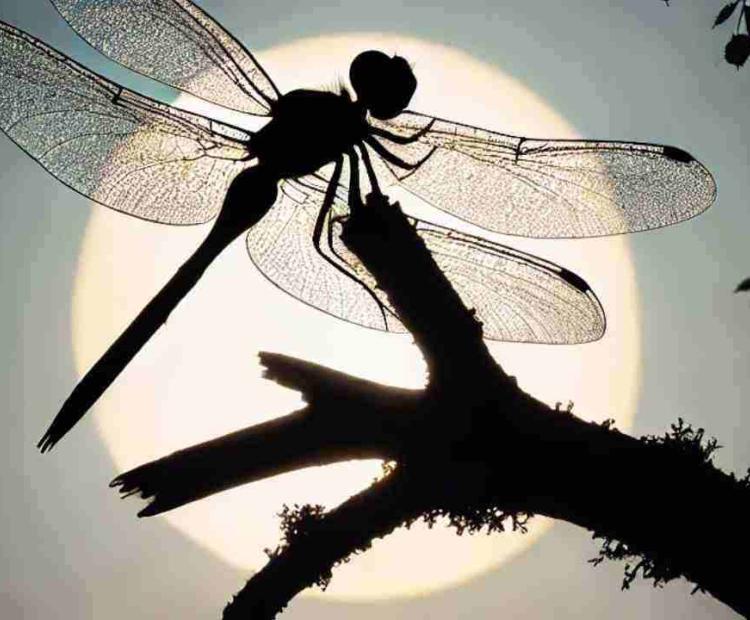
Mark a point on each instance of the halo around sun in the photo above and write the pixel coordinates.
(198, 378)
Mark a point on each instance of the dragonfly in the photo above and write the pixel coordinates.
(289, 185)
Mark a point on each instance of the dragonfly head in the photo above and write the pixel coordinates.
(384, 84)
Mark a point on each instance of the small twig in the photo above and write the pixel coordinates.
(310, 557)
(346, 418)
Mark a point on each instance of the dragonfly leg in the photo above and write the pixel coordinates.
(370, 172)
(394, 159)
(327, 203)
(355, 194)
(320, 223)
(355, 201)
(384, 310)
(396, 139)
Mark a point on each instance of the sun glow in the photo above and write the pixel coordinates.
(198, 377)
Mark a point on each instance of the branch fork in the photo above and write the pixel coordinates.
(471, 446)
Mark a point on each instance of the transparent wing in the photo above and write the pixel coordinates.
(112, 145)
(548, 188)
(177, 43)
(518, 297)
(281, 247)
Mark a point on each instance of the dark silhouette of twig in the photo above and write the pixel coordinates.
(308, 558)
(472, 446)
(737, 49)
(345, 418)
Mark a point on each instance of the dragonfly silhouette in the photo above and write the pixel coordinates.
(294, 180)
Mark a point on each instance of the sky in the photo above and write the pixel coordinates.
(628, 70)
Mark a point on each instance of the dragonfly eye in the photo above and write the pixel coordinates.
(384, 84)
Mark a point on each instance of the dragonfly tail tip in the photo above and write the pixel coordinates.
(45, 444)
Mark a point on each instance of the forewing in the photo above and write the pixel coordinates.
(177, 43)
(548, 188)
(112, 145)
(281, 247)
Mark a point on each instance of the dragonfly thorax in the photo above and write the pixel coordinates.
(308, 129)
(384, 85)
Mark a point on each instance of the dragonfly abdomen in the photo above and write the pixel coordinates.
(250, 196)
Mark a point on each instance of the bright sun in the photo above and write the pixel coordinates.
(198, 378)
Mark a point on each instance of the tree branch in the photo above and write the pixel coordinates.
(472, 446)
(308, 558)
(346, 418)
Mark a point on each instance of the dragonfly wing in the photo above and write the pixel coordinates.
(177, 43)
(548, 188)
(281, 247)
(518, 297)
(125, 151)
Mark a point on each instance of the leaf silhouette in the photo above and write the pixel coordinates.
(726, 13)
(743, 286)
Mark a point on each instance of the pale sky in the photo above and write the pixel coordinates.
(620, 70)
